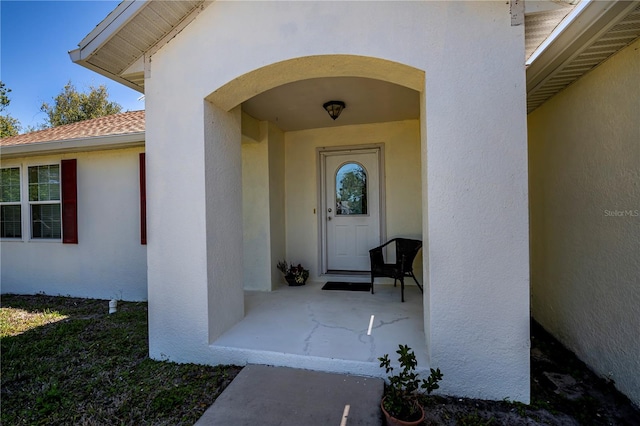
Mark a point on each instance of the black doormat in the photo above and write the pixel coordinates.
(340, 285)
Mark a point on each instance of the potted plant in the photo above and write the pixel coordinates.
(401, 404)
(294, 275)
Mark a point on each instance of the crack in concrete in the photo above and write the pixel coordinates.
(335, 327)
(361, 334)
(307, 341)
(362, 337)
(383, 323)
(372, 348)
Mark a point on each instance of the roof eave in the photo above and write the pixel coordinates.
(592, 22)
(106, 29)
(91, 143)
(102, 33)
(130, 15)
(76, 57)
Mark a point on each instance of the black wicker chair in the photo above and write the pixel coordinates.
(406, 251)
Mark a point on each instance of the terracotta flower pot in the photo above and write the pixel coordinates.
(392, 421)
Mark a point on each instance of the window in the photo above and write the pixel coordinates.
(351, 190)
(44, 201)
(41, 197)
(10, 207)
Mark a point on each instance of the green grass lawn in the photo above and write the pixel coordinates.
(67, 361)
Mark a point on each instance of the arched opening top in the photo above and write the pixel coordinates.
(268, 77)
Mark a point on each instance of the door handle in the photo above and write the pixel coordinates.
(329, 218)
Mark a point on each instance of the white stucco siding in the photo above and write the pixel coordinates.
(403, 185)
(476, 202)
(176, 220)
(585, 218)
(230, 39)
(223, 195)
(263, 208)
(277, 212)
(195, 205)
(256, 213)
(109, 261)
(474, 190)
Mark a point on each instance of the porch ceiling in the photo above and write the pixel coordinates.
(298, 105)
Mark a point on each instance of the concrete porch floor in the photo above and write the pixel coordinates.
(310, 328)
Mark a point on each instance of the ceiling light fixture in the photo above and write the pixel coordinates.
(334, 108)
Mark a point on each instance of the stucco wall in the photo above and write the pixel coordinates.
(476, 203)
(403, 184)
(108, 261)
(277, 213)
(223, 203)
(473, 152)
(263, 208)
(256, 214)
(585, 218)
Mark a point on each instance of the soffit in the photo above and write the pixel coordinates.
(131, 30)
(580, 48)
(541, 19)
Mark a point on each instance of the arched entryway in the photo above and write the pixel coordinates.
(472, 176)
(285, 135)
(282, 103)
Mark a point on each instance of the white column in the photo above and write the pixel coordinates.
(223, 183)
(177, 228)
(194, 207)
(475, 195)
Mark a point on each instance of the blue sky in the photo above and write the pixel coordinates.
(34, 63)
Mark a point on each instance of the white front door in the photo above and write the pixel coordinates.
(352, 208)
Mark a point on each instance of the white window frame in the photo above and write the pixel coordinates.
(25, 203)
(19, 203)
(28, 203)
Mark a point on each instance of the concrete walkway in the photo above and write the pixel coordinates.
(266, 396)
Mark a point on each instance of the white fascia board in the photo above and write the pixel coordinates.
(593, 21)
(74, 54)
(93, 143)
(106, 29)
(102, 33)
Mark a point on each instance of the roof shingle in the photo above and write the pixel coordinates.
(116, 124)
